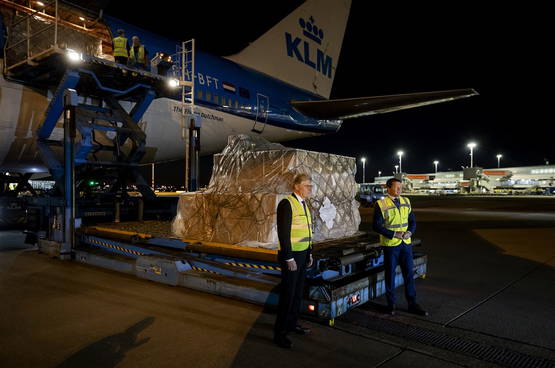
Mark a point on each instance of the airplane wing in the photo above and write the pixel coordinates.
(362, 106)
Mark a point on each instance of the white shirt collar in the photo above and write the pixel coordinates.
(299, 198)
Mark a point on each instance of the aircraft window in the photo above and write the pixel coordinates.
(199, 93)
(228, 87)
(236, 105)
(216, 99)
(208, 96)
(243, 92)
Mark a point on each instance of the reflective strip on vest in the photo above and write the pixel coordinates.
(395, 219)
(137, 59)
(398, 226)
(120, 46)
(301, 225)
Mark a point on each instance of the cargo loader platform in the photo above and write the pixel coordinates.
(346, 273)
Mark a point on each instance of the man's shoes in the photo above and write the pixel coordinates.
(416, 309)
(390, 309)
(282, 341)
(299, 330)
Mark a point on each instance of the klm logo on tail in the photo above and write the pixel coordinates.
(304, 53)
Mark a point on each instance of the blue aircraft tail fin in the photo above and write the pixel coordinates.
(303, 49)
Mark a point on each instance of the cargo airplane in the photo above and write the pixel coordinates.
(278, 87)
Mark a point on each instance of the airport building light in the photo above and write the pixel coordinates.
(363, 169)
(400, 154)
(471, 145)
(499, 160)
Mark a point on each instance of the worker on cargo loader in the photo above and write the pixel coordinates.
(395, 222)
(161, 63)
(121, 48)
(294, 227)
(138, 54)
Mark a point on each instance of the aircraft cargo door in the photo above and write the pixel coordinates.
(262, 104)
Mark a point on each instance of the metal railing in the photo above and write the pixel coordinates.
(184, 71)
(35, 32)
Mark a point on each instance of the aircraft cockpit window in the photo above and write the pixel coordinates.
(243, 92)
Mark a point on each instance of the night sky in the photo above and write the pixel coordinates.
(502, 52)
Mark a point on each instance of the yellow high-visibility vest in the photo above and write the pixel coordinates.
(137, 59)
(395, 219)
(120, 46)
(301, 225)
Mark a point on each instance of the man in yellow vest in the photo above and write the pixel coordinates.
(395, 222)
(121, 48)
(138, 54)
(294, 228)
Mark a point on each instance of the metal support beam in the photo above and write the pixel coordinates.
(194, 153)
(70, 102)
(56, 106)
(140, 108)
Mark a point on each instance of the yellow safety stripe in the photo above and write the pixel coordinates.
(263, 267)
(121, 249)
(203, 269)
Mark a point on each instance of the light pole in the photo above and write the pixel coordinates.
(400, 154)
(363, 169)
(435, 163)
(153, 189)
(499, 160)
(396, 169)
(379, 173)
(471, 145)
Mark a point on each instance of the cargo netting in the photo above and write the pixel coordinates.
(250, 177)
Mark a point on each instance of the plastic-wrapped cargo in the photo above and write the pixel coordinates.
(250, 177)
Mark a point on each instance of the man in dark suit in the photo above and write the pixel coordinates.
(294, 227)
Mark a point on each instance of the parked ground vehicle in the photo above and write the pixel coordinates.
(369, 193)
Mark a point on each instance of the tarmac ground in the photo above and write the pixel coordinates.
(490, 292)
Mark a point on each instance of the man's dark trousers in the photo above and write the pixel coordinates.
(291, 293)
(121, 60)
(400, 255)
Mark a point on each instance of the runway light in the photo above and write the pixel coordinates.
(173, 83)
(39, 3)
(311, 307)
(81, 19)
(74, 56)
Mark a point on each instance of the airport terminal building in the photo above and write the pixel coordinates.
(527, 180)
